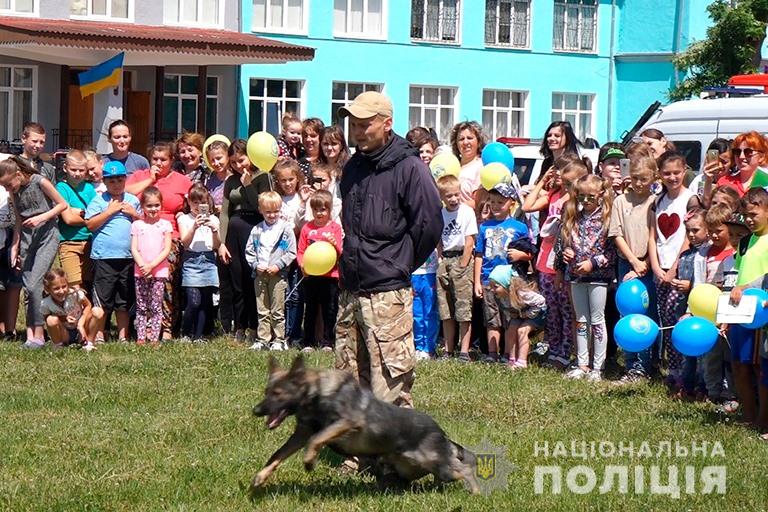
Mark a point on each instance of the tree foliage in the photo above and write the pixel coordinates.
(732, 47)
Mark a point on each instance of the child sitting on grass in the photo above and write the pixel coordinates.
(69, 317)
(524, 309)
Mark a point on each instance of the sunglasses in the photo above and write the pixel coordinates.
(747, 152)
(587, 198)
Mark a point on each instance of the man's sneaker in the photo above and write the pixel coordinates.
(634, 376)
(541, 349)
(33, 345)
(422, 355)
(240, 336)
(257, 345)
(575, 373)
(185, 339)
(88, 347)
(306, 350)
(278, 346)
(594, 376)
(327, 348)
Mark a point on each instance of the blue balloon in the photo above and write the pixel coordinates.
(632, 297)
(635, 332)
(694, 336)
(498, 152)
(761, 312)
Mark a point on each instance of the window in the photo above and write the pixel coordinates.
(279, 16)
(433, 107)
(576, 109)
(17, 100)
(268, 100)
(503, 113)
(100, 8)
(343, 93)
(435, 20)
(359, 18)
(180, 104)
(507, 23)
(575, 25)
(203, 12)
(17, 6)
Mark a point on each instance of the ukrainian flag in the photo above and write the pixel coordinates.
(101, 76)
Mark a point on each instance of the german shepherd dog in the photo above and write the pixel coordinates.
(332, 410)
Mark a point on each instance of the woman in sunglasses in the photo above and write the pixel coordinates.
(750, 151)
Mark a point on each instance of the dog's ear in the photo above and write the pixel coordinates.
(298, 364)
(272, 365)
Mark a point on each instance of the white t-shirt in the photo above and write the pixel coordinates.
(457, 225)
(670, 229)
(202, 240)
(71, 307)
(6, 218)
(270, 235)
(290, 208)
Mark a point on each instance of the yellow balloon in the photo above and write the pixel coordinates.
(493, 174)
(703, 301)
(443, 164)
(208, 141)
(319, 258)
(262, 150)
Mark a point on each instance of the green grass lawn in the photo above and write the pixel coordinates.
(128, 428)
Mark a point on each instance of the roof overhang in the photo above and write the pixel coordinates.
(86, 43)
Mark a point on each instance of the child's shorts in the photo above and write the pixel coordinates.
(512, 318)
(75, 262)
(113, 287)
(742, 342)
(492, 309)
(73, 337)
(454, 290)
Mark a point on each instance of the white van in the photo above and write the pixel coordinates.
(528, 161)
(692, 124)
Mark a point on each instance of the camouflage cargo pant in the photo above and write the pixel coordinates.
(374, 342)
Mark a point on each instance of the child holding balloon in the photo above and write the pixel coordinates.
(667, 239)
(271, 249)
(631, 220)
(586, 258)
(322, 292)
(752, 266)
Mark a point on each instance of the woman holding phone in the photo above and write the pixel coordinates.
(717, 163)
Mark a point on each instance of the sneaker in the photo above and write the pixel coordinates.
(541, 349)
(33, 345)
(257, 345)
(277, 346)
(634, 376)
(88, 347)
(464, 357)
(185, 339)
(490, 359)
(594, 376)
(445, 356)
(327, 348)
(421, 355)
(199, 341)
(505, 359)
(240, 336)
(306, 350)
(123, 340)
(575, 373)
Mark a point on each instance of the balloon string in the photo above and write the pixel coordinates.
(293, 290)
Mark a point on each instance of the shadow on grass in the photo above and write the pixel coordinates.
(307, 491)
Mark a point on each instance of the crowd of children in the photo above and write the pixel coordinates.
(228, 242)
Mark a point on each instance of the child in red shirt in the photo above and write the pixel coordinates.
(320, 291)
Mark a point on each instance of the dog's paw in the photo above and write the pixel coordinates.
(309, 463)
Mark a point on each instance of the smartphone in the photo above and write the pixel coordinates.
(624, 166)
(713, 155)
(204, 210)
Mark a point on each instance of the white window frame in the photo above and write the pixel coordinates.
(282, 30)
(11, 11)
(103, 17)
(14, 134)
(198, 22)
(528, 28)
(439, 39)
(581, 7)
(346, 34)
(282, 100)
(337, 103)
(186, 96)
(563, 111)
(505, 110)
(439, 106)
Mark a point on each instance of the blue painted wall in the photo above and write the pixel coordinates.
(642, 27)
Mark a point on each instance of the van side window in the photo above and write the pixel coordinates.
(691, 149)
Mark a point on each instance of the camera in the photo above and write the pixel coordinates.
(315, 180)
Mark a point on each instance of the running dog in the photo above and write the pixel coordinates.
(332, 410)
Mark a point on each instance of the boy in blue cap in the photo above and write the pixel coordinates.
(109, 216)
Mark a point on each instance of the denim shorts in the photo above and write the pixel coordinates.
(742, 342)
